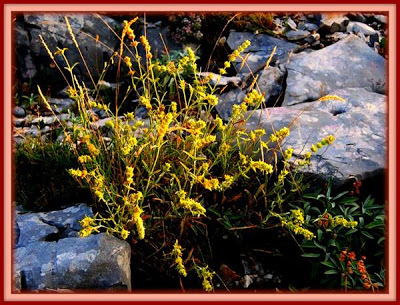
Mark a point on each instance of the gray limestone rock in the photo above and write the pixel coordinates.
(226, 102)
(358, 125)
(297, 35)
(50, 255)
(348, 63)
(259, 51)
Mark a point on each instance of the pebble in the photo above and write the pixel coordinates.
(19, 111)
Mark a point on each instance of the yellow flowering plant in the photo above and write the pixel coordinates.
(152, 178)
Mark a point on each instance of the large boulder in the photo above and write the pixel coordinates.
(50, 255)
(259, 51)
(359, 125)
(92, 31)
(349, 63)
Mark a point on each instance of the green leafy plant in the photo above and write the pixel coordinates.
(343, 223)
(155, 180)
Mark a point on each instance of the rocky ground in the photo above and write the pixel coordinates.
(316, 55)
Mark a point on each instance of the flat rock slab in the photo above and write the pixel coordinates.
(349, 63)
(359, 125)
(50, 255)
(99, 261)
(259, 51)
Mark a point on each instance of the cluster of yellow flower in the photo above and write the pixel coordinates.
(280, 134)
(254, 134)
(227, 182)
(199, 142)
(145, 101)
(190, 205)
(78, 173)
(288, 153)
(206, 276)
(209, 184)
(177, 252)
(196, 127)
(220, 124)
(254, 98)
(99, 106)
(239, 50)
(284, 172)
(296, 229)
(232, 57)
(327, 141)
(262, 166)
(129, 175)
(211, 99)
(137, 219)
(84, 159)
(128, 62)
(146, 46)
(94, 151)
(224, 148)
(87, 226)
(297, 217)
(340, 221)
(295, 224)
(127, 28)
(238, 111)
(163, 126)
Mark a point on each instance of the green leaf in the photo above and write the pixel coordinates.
(329, 264)
(340, 195)
(365, 233)
(320, 246)
(348, 200)
(332, 271)
(319, 234)
(351, 231)
(374, 224)
(310, 255)
(380, 240)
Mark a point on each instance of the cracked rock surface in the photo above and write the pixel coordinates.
(49, 254)
(359, 125)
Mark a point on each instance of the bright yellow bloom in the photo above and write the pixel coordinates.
(86, 222)
(177, 252)
(212, 99)
(254, 98)
(288, 153)
(262, 166)
(85, 232)
(191, 205)
(124, 234)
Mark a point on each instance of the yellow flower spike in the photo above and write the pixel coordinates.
(261, 166)
(124, 234)
(86, 222)
(314, 148)
(222, 71)
(212, 99)
(173, 107)
(85, 232)
(330, 139)
(177, 252)
(288, 153)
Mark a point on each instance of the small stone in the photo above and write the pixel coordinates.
(19, 112)
(291, 24)
(335, 24)
(268, 276)
(19, 122)
(297, 35)
(358, 27)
